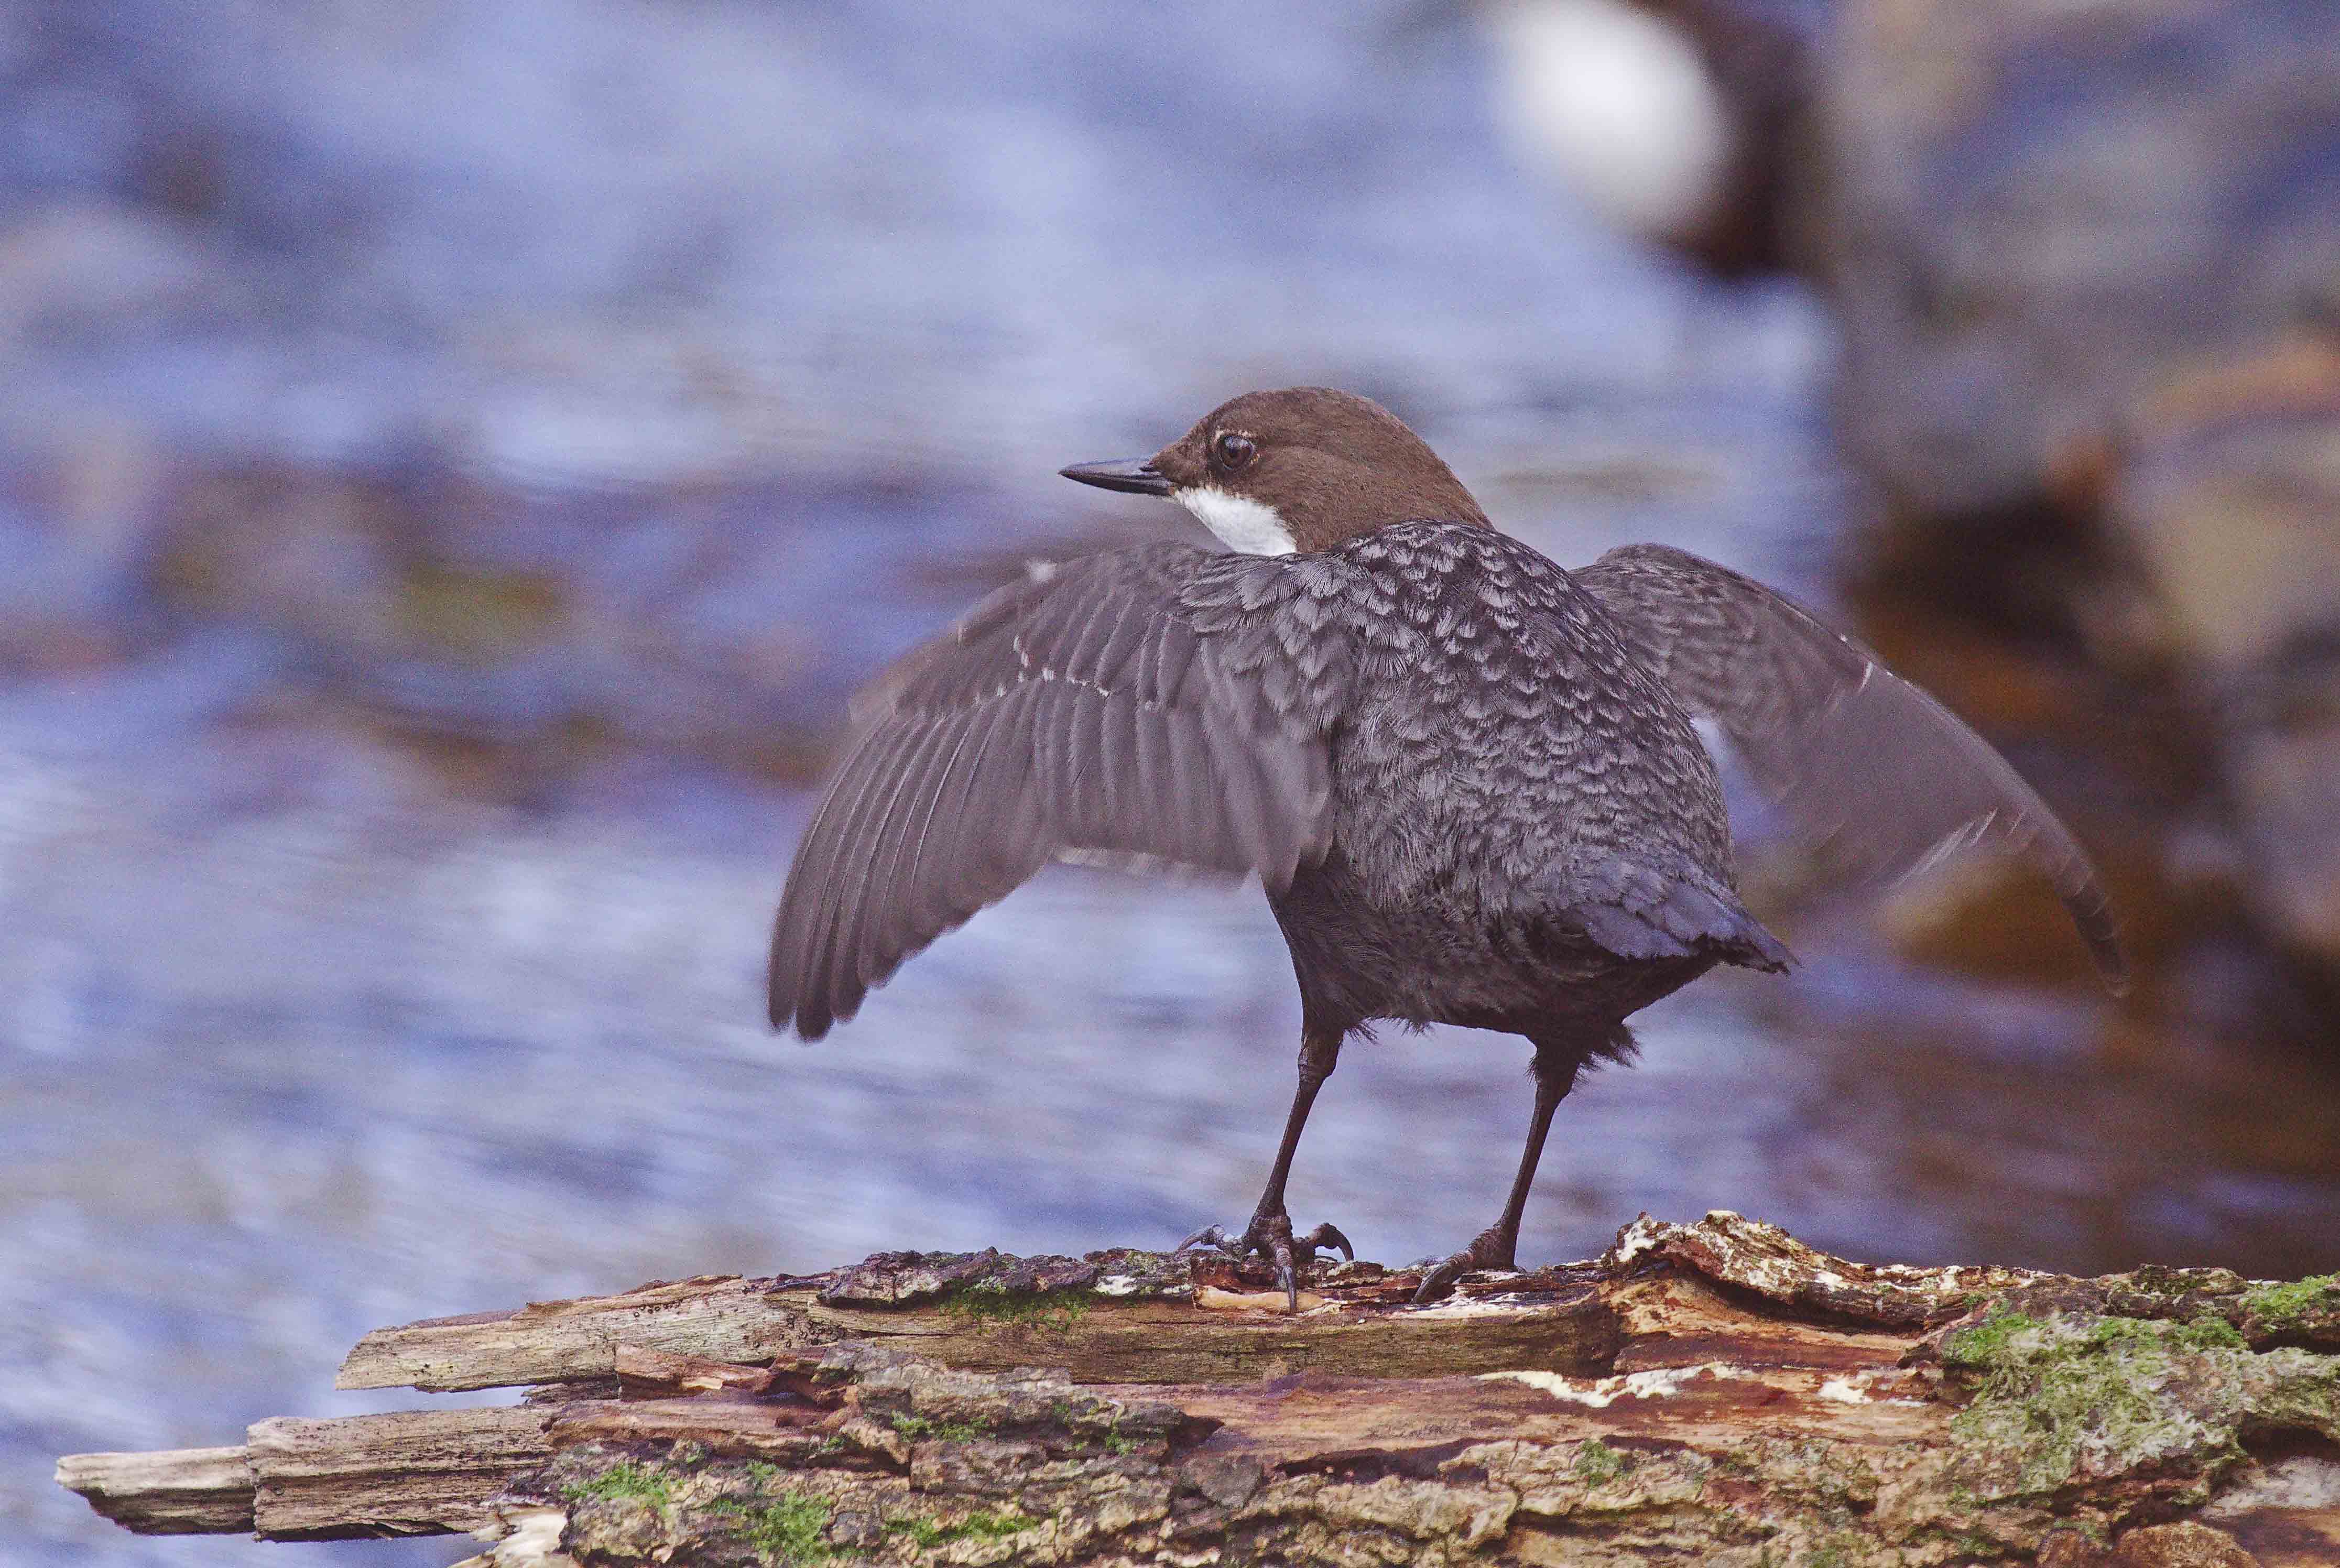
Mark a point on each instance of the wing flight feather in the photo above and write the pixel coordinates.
(1887, 779)
(1144, 704)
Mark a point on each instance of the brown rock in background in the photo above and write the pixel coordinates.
(2088, 259)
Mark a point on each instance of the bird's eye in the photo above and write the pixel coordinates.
(1233, 451)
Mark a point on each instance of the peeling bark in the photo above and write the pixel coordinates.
(1714, 1393)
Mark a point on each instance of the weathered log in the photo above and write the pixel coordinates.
(411, 1472)
(178, 1492)
(1715, 1393)
(721, 1316)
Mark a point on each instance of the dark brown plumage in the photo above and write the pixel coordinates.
(1467, 779)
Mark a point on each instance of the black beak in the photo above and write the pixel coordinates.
(1135, 475)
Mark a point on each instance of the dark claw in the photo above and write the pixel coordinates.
(1489, 1249)
(1329, 1234)
(1269, 1236)
(1440, 1282)
(1213, 1235)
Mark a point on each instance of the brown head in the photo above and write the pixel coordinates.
(1302, 469)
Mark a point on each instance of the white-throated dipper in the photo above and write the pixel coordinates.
(1467, 778)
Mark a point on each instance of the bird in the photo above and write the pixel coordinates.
(1468, 780)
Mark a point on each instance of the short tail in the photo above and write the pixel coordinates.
(1683, 921)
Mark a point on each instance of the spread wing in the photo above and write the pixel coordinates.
(1159, 703)
(1890, 778)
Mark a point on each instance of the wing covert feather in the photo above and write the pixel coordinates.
(1862, 760)
(1143, 704)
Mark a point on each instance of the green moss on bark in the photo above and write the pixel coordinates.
(2279, 1305)
(2060, 1398)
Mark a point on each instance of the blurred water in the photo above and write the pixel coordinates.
(370, 951)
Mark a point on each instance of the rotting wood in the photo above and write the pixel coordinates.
(178, 1492)
(988, 1312)
(408, 1472)
(719, 1316)
(1161, 1343)
(1718, 1392)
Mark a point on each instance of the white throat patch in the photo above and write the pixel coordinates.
(1242, 523)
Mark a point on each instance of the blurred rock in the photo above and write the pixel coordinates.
(2226, 487)
(1680, 122)
(2043, 212)
(2085, 258)
(2221, 485)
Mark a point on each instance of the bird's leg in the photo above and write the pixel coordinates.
(1270, 1231)
(1497, 1246)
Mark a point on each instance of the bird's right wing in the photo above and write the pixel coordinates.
(1889, 779)
(1159, 703)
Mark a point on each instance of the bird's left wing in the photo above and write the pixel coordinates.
(1890, 779)
(1156, 703)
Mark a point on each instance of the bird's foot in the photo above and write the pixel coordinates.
(1269, 1234)
(1489, 1249)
